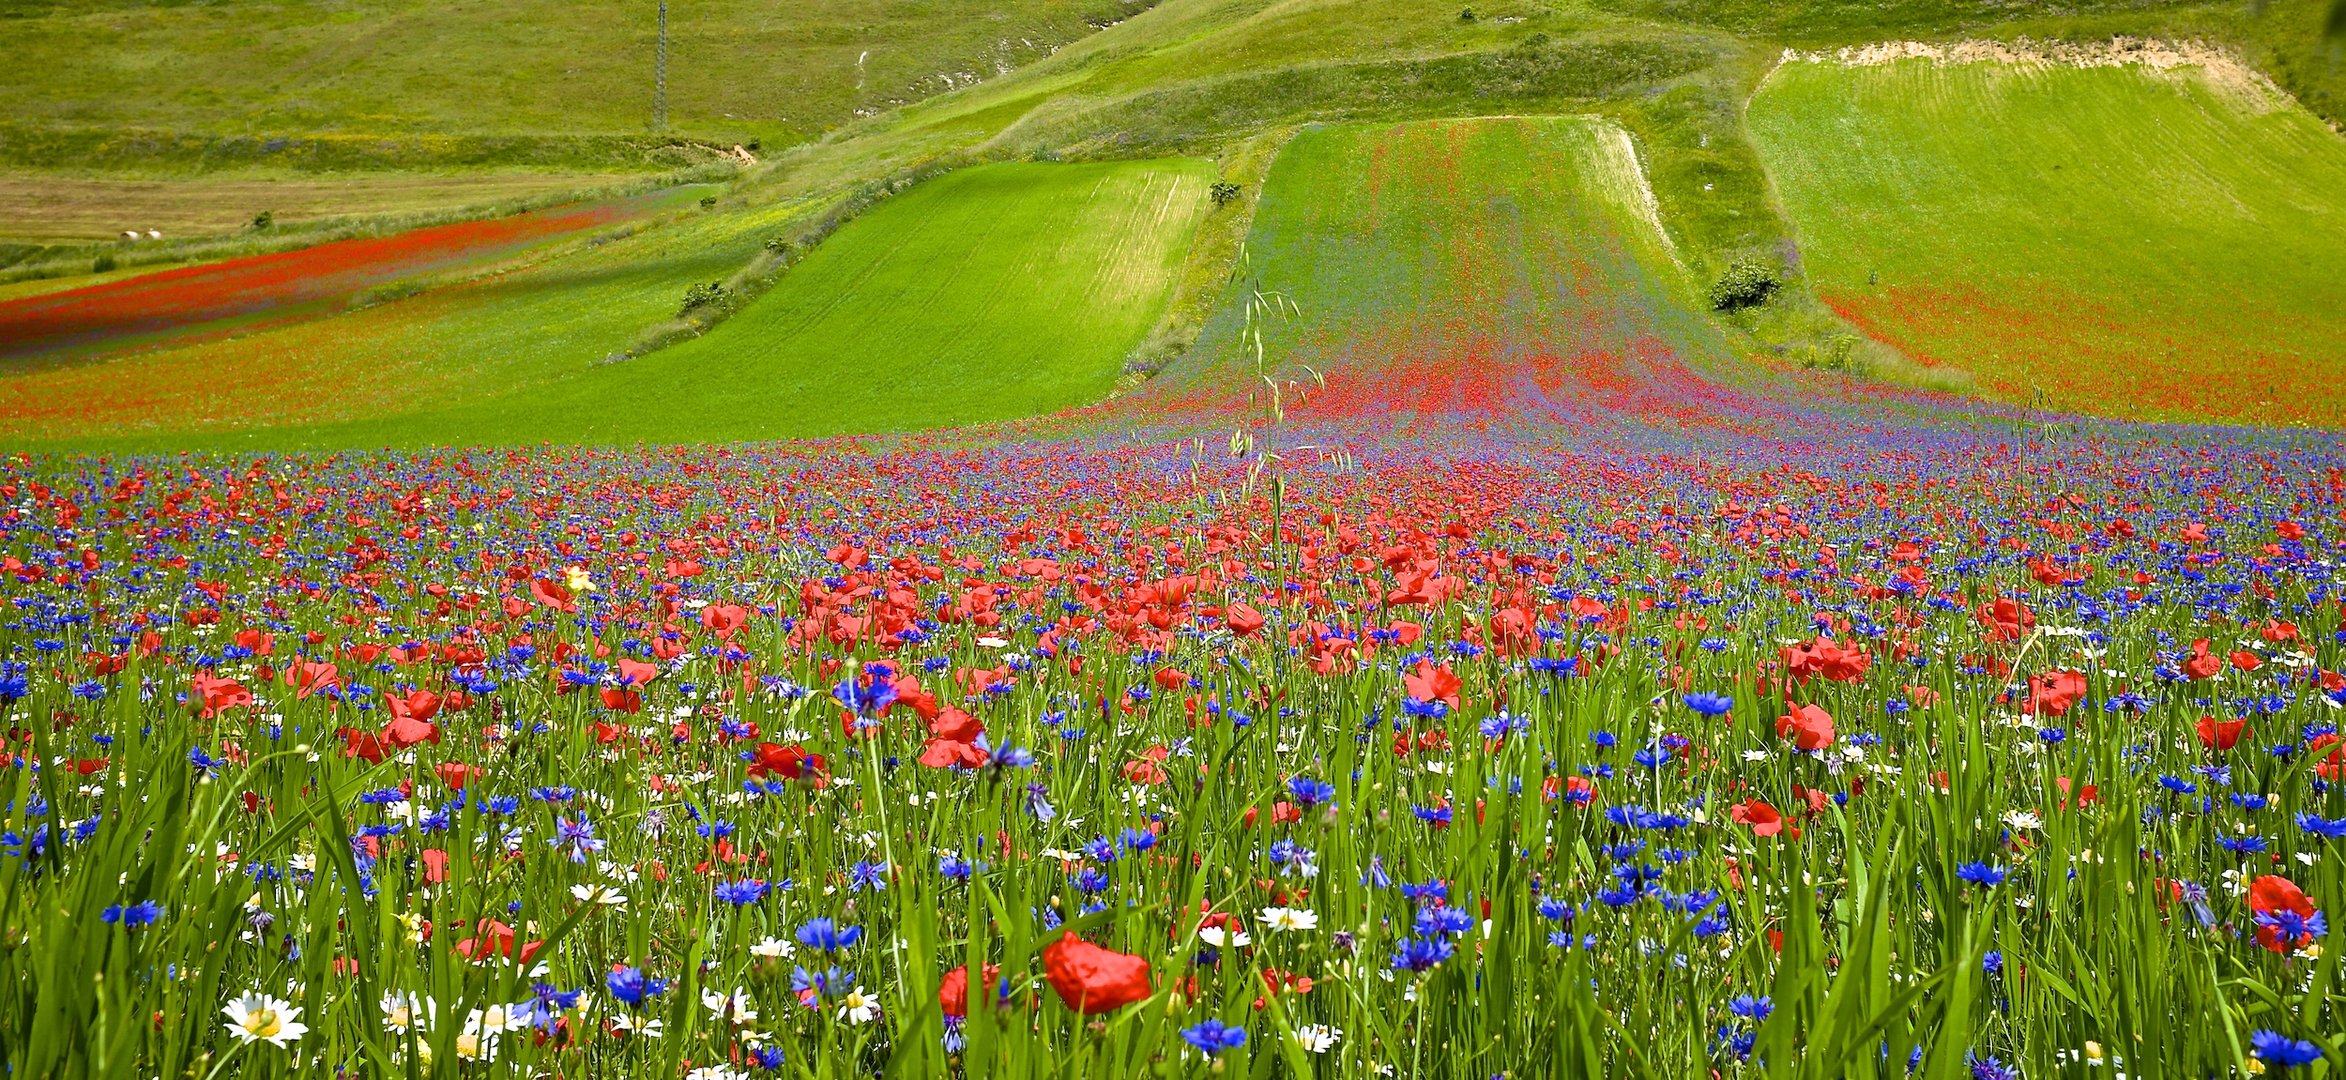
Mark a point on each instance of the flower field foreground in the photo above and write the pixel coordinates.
(1828, 751)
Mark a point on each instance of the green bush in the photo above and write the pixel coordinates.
(1224, 192)
(700, 296)
(103, 264)
(1748, 283)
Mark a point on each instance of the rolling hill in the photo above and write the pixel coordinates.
(2161, 237)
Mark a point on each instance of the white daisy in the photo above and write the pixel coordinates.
(1284, 919)
(262, 1018)
(858, 1006)
(1318, 1038)
(734, 1006)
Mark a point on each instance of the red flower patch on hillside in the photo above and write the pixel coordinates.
(240, 293)
(2089, 355)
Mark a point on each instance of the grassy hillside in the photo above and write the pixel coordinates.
(990, 293)
(42, 208)
(777, 70)
(489, 335)
(1506, 267)
(1224, 80)
(2126, 241)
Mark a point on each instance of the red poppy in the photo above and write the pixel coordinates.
(953, 992)
(2052, 693)
(2220, 735)
(1242, 619)
(724, 619)
(2201, 664)
(2274, 893)
(550, 594)
(496, 939)
(1431, 683)
(788, 762)
(1091, 979)
(211, 695)
(1765, 820)
(1809, 727)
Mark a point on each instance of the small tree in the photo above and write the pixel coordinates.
(264, 219)
(1748, 283)
(1224, 193)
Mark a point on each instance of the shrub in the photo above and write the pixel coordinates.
(1224, 193)
(264, 219)
(1748, 283)
(104, 263)
(700, 296)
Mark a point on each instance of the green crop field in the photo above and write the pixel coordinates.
(1479, 265)
(484, 336)
(738, 70)
(43, 208)
(2156, 244)
(990, 293)
(586, 340)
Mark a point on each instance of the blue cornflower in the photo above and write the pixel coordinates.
(866, 700)
(1751, 1008)
(2290, 926)
(578, 836)
(1710, 704)
(1419, 954)
(1988, 1068)
(821, 982)
(739, 893)
(1980, 873)
(827, 935)
(2327, 828)
(1443, 920)
(1214, 1036)
(143, 913)
(631, 988)
(1310, 791)
(547, 1004)
(205, 764)
(2282, 1052)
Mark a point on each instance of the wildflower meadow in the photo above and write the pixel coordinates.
(1862, 749)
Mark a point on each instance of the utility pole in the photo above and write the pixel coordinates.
(660, 75)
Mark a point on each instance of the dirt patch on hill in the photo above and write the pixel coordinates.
(2213, 65)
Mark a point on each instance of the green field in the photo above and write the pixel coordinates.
(569, 332)
(2115, 239)
(987, 294)
(738, 70)
(1507, 265)
(488, 335)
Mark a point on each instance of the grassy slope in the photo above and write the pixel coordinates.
(488, 336)
(45, 209)
(987, 294)
(738, 69)
(2130, 243)
(1505, 266)
(1181, 77)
